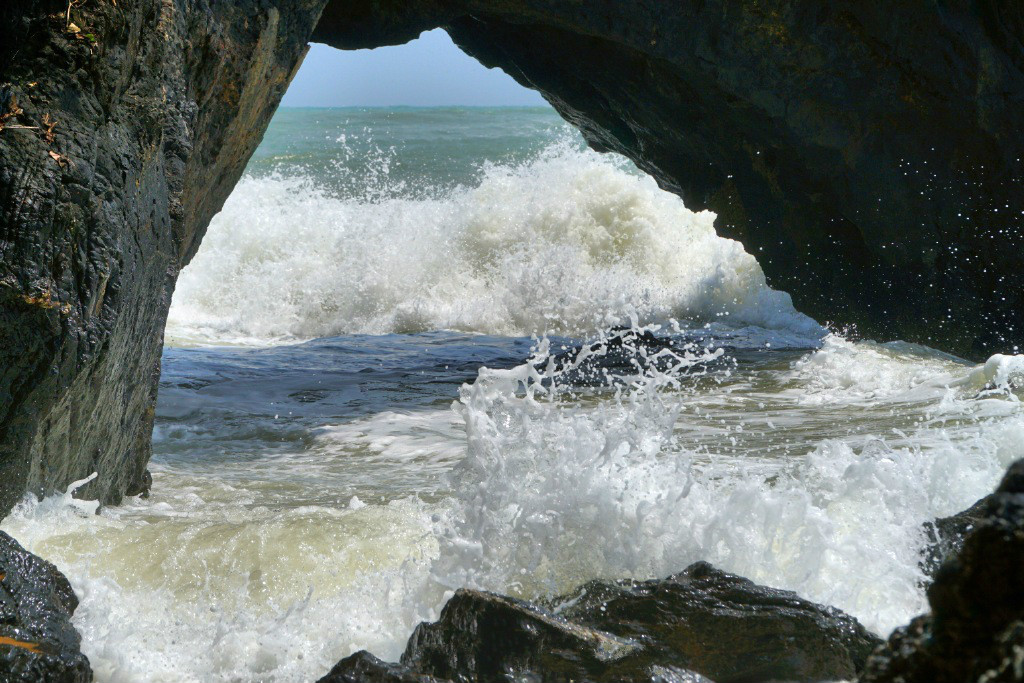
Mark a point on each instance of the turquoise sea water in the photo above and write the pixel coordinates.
(365, 405)
(415, 152)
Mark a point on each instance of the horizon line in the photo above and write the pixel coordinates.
(416, 106)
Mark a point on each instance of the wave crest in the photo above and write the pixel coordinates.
(566, 243)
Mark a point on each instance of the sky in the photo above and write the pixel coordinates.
(429, 71)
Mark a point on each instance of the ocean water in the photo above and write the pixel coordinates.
(397, 367)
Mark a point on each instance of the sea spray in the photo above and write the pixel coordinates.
(548, 470)
(554, 479)
(560, 486)
(568, 241)
(321, 497)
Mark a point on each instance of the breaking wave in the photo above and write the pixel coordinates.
(568, 242)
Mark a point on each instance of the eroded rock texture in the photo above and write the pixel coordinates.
(697, 625)
(975, 631)
(38, 643)
(126, 126)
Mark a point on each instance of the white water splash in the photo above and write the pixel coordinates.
(556, 490)
(567, 243)
(559, 484)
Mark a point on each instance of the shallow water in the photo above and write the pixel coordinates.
(328, 465)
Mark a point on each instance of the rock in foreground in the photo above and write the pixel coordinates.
(976, 629)
(698, 625)
(38, 643)
(727, 627)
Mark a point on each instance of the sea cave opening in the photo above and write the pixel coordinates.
(376, 390)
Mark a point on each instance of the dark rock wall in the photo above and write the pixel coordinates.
(156, 106)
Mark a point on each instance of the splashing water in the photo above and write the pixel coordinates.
(325, 496)
(558, 490)
(568, 241)
(243, 567)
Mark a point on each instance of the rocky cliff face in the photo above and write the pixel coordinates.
(125, 126)
(867, 153)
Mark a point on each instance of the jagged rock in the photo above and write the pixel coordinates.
(868, 154)
(486, 637)
(38, 643)
(727, 627)
(975, 631)
(362, 667)
(699, 623)
(946, 535)
(481, 636)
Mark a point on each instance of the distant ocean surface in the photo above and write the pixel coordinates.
(371, 397)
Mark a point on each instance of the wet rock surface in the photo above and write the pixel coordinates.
(701, 624)
(125, 127)
(975, 631)
(946, 535)
(38, 643)
(727, 627)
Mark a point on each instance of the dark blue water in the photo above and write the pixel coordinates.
(235, 412)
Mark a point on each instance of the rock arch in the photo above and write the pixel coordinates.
(869, 154)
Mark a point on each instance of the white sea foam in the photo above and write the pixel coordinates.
(1000, 374)
(863, 372)
(558, 485)
(549, 485)
(181, 590)
(568, 242)
(554, 492)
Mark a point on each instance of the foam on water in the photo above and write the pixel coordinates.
(569, 241)
(180, 589)
(557, 484)
(555, 492)
(271, 548)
